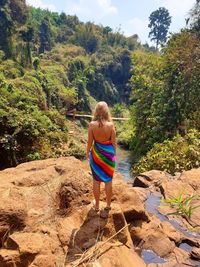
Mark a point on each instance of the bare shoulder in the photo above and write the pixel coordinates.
(110, 124)
(93, 123)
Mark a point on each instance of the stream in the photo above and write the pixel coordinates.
(123, 166)
(123, 163)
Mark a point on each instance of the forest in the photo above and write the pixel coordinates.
(51, 63)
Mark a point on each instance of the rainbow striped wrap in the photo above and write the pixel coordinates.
(102, 161)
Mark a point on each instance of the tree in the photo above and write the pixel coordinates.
(27, 37)
(195, 17)
(45, 35)
(87, 37)
(6, 29)
(160, 21)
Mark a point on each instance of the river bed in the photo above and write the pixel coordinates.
(123, 166)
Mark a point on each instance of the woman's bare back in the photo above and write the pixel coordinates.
(102, 132)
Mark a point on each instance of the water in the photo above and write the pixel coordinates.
(150, 257)
(151, 205)
(123, 166)
(123, 163)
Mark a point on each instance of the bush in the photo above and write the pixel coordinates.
(181, 153)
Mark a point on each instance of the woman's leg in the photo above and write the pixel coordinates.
(108, 188)
(96, 192)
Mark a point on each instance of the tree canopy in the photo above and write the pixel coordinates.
(159, 23)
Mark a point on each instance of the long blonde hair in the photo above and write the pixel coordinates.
(101, 113)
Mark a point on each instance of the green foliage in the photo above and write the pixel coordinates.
(125, 133)
(195, 18)
(181, 94)
(184, 206)
(75, 150)
(45, 35)
(178, 154)
(117, 110)
(27, 127)
(159, 24)
(147, 85)
(87, 37)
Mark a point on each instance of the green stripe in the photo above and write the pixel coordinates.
(104, 159)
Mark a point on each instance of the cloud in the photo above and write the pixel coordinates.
(137, 26)
(41, 4)
(91, 9)
(178, 8)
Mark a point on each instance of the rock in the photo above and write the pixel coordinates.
(120, 256)
(141, 181)
(160, 244)
(47, 218)
(142, 193)
(12, 217)
(130, 202)
(93, 226)
(8, 257)
(195, 253)
(171, 232)
(191, 177)
(150, 178)
(31, 243)
(44, 261)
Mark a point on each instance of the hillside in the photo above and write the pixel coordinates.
(52, 63)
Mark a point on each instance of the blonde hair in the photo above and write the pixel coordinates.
(101, 113)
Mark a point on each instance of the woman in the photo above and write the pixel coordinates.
(101, 151)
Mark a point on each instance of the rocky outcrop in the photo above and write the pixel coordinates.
(47, 219)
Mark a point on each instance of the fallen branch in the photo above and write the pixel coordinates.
(82, 259)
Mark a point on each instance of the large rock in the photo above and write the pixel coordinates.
(150, 179)
(120, 256)
(47, 217)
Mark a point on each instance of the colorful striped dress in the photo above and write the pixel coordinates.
(102, 161)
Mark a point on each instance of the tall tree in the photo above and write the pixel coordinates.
(195, 17)
(45, 35)
(6, 28)
(160, 21)
(27, 37)
(13, 14)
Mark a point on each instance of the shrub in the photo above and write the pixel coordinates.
(178, 154)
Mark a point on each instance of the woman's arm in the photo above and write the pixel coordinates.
(113, 138)
(90, 140)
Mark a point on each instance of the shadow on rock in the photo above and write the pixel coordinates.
(89, 233)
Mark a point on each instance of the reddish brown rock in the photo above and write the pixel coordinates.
(150, 178)
(46, 217)
(158, 243)
(195, 253)
(119, 256)
(9, 258)
(44, 261)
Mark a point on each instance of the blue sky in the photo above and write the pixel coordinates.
(130, 15)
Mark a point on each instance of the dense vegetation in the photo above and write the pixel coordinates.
(52, 63)
(166, 88)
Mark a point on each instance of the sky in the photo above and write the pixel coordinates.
(131, 16)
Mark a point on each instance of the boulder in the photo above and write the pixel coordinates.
(150, 178)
